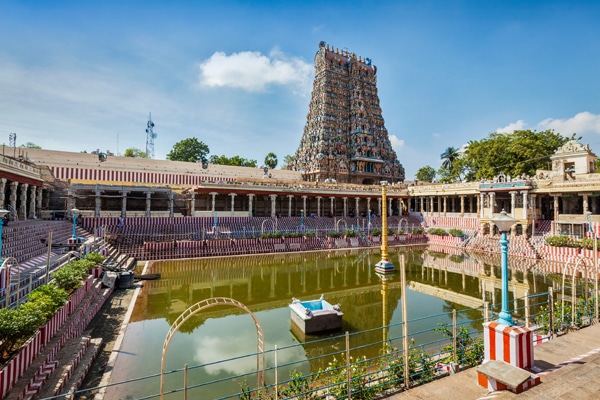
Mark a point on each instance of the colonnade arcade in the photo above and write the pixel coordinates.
(289, 205)
(22, 199)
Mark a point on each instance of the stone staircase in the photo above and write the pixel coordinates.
(63, 362)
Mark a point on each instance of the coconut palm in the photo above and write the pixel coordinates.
(448, 157)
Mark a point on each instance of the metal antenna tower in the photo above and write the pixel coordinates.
(150, 136)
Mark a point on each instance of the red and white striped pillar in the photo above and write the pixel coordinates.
(511, 344)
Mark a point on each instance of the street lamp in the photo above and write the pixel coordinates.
(74, 211)
(3, 213)
(589, 218)
(504, 223)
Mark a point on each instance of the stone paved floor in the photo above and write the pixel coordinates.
(570, 367)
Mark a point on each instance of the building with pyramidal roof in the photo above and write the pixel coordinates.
(345, 139)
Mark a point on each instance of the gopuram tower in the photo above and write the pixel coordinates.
(344, 136)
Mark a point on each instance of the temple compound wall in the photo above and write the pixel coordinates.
(344, 138)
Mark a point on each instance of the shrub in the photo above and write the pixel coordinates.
(376, 232)
(418, 231)
(437, 231)
(469, 349)
(70, 276)
(96, 258)
(456, 232)
(310, 234)
(334, 234)
(561, 241)
(351, 233)
(49, 297)
(17, 326)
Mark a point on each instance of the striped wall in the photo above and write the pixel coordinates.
(98, 175)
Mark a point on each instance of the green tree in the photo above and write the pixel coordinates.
(30, 145)
(456, 172)
(425, 174)
(448, 157)
(235, 160)
(271, 160)
(189, 150)
(513, 154)
(135, 153)
(287, 161)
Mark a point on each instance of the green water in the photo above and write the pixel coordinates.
(266, 284)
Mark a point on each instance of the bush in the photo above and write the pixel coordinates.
(70, 276)
(561, 241)
(351, 233)
(310, 234)
(376, 232)
(96, 258)
(17, 326)
(418, 231)
(49, 297)
(334, 234)
(456, 232)
(437, 231)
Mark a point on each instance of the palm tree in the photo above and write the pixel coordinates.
(448, 157)
(271, 160)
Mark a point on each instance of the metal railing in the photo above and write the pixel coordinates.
(438, 345)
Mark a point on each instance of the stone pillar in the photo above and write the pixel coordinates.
(290, 197)
(462, 205)
(232, 203)
(369, 205)
(250, 201)
(213, 195)
(332, 205)
(70, 199)
(38, 198)
(304, 205)
(273, 205)
(171, 203)
(389, 208)
(32, 203)
(422, 206)
(492, 201)
(585, 203)
(2, 191)
(379, 207)
(357, 211)
(556, 213)
(149, 203)
(481, 203)
(192, 203)
(23, 206)
(513, 199)
(345, 206)
(524, 194)
(124, 203)
(445, 205)
(98, 203)
(319, 206)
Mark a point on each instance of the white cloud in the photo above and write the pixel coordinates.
(253, 71)
(513, 126)
(583, 122)
(397, 144)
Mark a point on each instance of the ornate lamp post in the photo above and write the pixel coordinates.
(74, 211)
(3, 212)
(384, 265)
(504, 223)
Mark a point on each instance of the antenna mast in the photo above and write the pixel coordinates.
(150, 136)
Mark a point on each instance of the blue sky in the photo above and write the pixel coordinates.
(83, 75)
